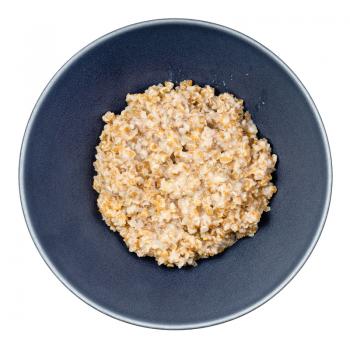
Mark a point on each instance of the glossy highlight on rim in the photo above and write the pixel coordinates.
(318, 120)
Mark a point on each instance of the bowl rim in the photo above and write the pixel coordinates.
(258, 46)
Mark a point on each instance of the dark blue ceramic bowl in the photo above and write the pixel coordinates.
(56, 173)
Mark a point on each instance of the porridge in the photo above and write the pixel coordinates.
(181, 173)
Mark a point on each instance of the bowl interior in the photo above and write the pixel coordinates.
(60, 204)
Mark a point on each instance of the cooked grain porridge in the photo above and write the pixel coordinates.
(181, 173)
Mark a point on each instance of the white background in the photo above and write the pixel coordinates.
(37, 311)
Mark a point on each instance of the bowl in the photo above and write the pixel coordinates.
(56, 174)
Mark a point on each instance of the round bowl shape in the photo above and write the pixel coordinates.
(56, 175)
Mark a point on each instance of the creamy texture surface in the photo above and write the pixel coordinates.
(181, 173)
